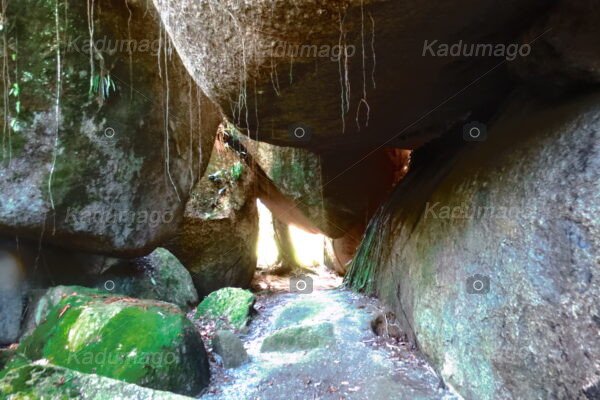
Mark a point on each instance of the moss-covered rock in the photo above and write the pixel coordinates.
(298, 338)
(41, 304)
(158, 276)
(231, 306)
(145, 342)
(88, 136)
(40, 382)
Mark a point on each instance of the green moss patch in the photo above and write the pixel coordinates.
(230, 305)
(148, 343)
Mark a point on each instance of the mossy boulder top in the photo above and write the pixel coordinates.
(231, 306)
(38, 381)
(145, 342)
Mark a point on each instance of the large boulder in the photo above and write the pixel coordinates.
(492, 258)
(346, 69)
(566, 47)
(43, 381)
(103, 148)
(145, 342)
(158, 276)
(219, 232)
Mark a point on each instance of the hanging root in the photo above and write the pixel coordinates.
(274, 78)
(56, 110)
(166, 94)
(90, 16)
(363, 100)
(373, 50)
(129, 51)
(343, 70)
(191, 128)
(200, 102)
(6, 133)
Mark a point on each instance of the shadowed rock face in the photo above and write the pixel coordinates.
(566, 53)
(107, 190)
(518, 213)
(272, 65)
(218, 235)
(11, 298)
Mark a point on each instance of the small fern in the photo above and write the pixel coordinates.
(102, 86)
(236, 171)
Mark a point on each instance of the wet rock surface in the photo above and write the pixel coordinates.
(353, 364)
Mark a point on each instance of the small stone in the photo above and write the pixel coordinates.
(230, 348)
